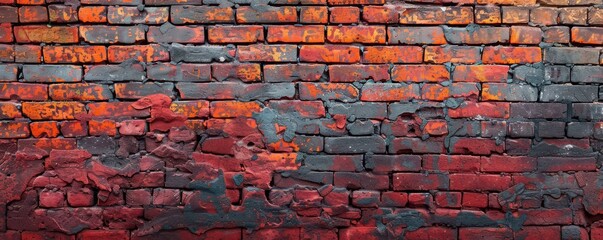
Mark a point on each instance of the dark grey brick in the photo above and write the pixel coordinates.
(538, 110)
(580, 129)
(571, 55)
(521, 129)
(557, 74)
(362, 110)
(551, 129)
(374, 144)
(569, 93)
(587, 74)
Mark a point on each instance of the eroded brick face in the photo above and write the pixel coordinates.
(301, 119)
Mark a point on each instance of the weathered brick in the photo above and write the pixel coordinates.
(53, 110)
(201, 14)
(513, 14)
(509, 92)
(6, 33)
(132, 15)
(419, 181)
(487, 14)
(451, 163)
(9, 111)
(351, 73)
(525, 35)
(361, 180)
(235, 34)
(202, 54)
(344, 15)
(392, 54)
(142, 53)
(508, 164)
(314, 14)
(232, 90)
(329, 54)
(8, 72)
(12, 130)
(571, 55)
(179, 73)
(479, 110)
(176, 34)
(544, 16)
(360, 110)
(305, 109)
(415, 145)
(568, 93)
(79, 92)
(474, 182)
(267, 14)
(267, 53)
(33, 14)
(558, 34)
(62, 13)
(437, 92)
(538, 110)
(481, 73)
(92, 14)
(129, 72)
(356, 34)
(389, 92)
(436, 15)
(52, 73)
(379, 14)
(9, 14)
(140, 90)
(328, 91)
(246, 72)
(511, 55)
(586, 35)
(587, 74)
(587, 111)
(415, 35)
(233, 109)
(573, 16)
(293, 72)
(112, 2)
(23, 91)
(453, 54)
(115, 110)
(45, 34)
(398, 163)
(477, 36)
(74, 54)
(420, 73)
(112, 34)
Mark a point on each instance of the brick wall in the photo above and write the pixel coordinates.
(301, 119)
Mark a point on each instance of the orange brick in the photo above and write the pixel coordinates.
(544, 16)
(512, 14)
(587, 35)
(420, 73)
(80, 92)
(481, 110)
(436, 127)
(511, 55)
(74, 54)
(488, 15)
(191, 109)
(102, 127)
(143, 53)
(9, 111)
(314, 14)
(437, 92)
(44, 129)
(230, 109)
(379, 14)
(23, 91)
(356, 34)
(235, 34)
(437, 15)
(454, 54)
(329, 54)
(12, 130)
(296, 34)
(30, 2)
(53, 110)
(481, 73)
(45, 34)
(93, 14)
(344, 15)
(131, 15)
(393, 54)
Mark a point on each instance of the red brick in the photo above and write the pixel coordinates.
(235, 34)
(431, 232)
(389, 92)
(420, 73)
(33, 14)
(476, 200)
(392, 54)
(107, 234)
(419, 181)
(448, 199)
(474, 182)
(80, 92)
(74, 54)
(329, 54)
(379, 14)
(498, 163)
(328, 91)
(23, 91)
(511, 55)
(9, 14)
(137, 90)
(233, 109)
(479, 110)
(468, 233)
(451, 163)
(453, 54)
(344, 15)
(83, 197)
(131, 15)
(142, 53)
(296, 34)
(13, 130)
(481, 73)
(6, 33)
(51, 199)
(45, 34)
(102, 127)
(176, 34)
(74, 128)
(132, 127)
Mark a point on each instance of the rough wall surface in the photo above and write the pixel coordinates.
(301, 119)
